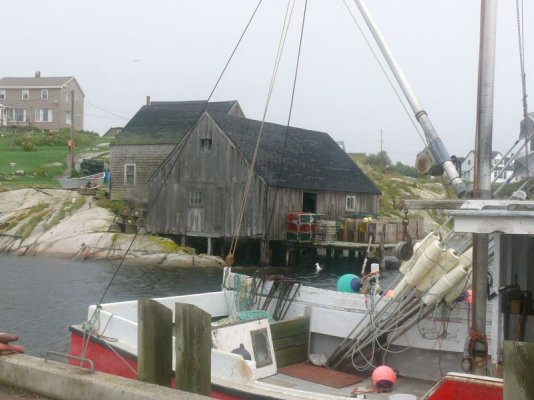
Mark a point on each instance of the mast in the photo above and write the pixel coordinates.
(435, 145)
(482, 180)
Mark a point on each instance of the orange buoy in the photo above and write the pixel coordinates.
(384, 377)
(229, 260)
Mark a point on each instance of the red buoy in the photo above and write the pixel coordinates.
(384, 377)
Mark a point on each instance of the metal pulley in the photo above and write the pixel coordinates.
(404, 249)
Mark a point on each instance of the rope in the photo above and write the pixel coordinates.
(284, 147)
(520, 38)
(179, 144)
(246, 191)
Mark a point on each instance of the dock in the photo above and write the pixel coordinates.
(36, 378)
(294, 249)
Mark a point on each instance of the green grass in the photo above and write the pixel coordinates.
(37, 164)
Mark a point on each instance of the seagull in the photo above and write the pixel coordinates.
(318, 267)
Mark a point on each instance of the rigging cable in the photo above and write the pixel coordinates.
(178, 144)
(521, 40)
(284, 147)
(373, 52)
(246, 191)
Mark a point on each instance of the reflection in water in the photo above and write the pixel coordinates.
(40, 297)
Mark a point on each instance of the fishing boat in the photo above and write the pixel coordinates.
(282, 332)
(82, 181)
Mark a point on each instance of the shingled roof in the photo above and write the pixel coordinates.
(311, 160)
(29, 82)
(167, 121)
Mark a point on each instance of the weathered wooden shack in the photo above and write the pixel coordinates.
(198, 190)
(148, 138)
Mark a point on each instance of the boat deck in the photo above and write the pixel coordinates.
(404, 385)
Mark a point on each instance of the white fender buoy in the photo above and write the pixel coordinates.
(447, 261)
(425, 263)
(418, 249)
(457, 291)
(447, 282)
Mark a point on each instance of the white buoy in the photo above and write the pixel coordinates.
(318, 267)
(447, 282)
(447, 261)
(418, 249)
(425, 263)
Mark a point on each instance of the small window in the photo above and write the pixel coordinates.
(196, 199)
(68, 119)
(119, 131)
(44, 115)
(2, 94)
(67, 97)
(468, 162)
(350, 203)
(17, 115)
(44, 94)
(129, 174)
(205, 145)
(25, 94)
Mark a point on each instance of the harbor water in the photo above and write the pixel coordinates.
(41, 297)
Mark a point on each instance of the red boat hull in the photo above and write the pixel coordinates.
(114, 361)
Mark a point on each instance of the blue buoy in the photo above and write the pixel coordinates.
(356, 284)
(348, 283)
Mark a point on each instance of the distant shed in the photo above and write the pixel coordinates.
(148, 138)
(197, 191)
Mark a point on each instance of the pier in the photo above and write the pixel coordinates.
(65, 382)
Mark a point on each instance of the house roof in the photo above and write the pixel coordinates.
(311, 160)
(167, 121)
(28, 82)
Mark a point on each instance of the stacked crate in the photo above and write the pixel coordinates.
(325, 232)
(301, 226)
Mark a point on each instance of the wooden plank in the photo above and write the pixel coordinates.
(291, 355)
(154, 342)
(291, 341)
(193, 349)
(518, 359)
(292, 327)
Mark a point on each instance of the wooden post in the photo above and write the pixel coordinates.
(518, 382)
(193, 349)
(154, 338)
(210, 247)
(265, 253)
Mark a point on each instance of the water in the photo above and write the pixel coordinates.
(41, 297)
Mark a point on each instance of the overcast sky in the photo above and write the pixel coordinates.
(120, 51)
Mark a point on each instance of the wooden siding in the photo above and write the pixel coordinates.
(332, 204)
(147, 159)
(220, 175)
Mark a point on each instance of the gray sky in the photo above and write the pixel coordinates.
(122, 50)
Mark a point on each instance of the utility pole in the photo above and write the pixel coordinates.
(381, 142)
(71, 147)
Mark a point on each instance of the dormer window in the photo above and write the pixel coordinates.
(205, 145)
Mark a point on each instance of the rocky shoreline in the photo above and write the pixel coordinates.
(66, 224)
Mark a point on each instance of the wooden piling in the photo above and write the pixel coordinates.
(154, 338)
(193, 349)
(518, 359)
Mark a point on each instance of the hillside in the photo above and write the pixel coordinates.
(395, 186)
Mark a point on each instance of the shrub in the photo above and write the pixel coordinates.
(27, 145)
(41, 171)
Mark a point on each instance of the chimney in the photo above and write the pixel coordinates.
(37, 74)
(147, 100)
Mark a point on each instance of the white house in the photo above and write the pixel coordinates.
(502, 168)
